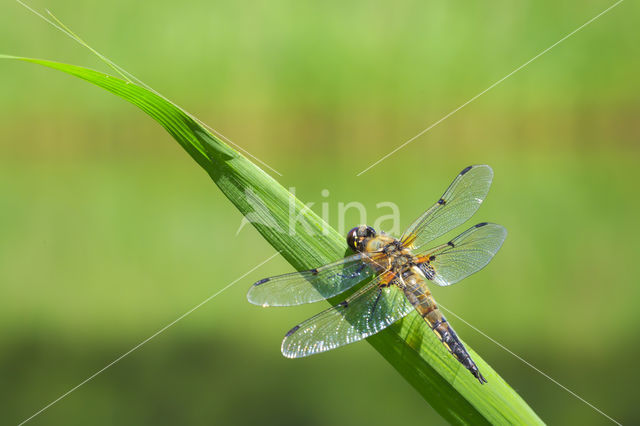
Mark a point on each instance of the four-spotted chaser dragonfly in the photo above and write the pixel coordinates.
(400, 270)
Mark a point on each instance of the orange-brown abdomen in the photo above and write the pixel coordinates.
(416, 291)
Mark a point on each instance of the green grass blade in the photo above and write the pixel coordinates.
(409, 346)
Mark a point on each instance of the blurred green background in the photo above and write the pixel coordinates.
(109, 231)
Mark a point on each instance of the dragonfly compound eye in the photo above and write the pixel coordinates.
(352, 239)
(369, 232)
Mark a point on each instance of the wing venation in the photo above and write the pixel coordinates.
(464, 255)
(458, 203)
(366, 312)
(315, 284)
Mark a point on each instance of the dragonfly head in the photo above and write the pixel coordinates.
(357, 237)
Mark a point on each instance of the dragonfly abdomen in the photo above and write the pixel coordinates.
(450, 339)
(422, 300)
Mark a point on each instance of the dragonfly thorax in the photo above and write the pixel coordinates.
(401, 261)
(397, 257)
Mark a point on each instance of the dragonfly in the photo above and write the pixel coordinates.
(398, 272)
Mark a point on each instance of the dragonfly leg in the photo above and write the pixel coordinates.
(385, 282)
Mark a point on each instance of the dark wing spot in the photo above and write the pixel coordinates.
(432, 258)
(442, 201)
(427, 270)
(450, 243)
(293, 330)
(262, 281)
(344, 304)
(481, 224)
(466, 169)
(314, 271)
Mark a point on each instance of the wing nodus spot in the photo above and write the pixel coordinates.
(450, 243)
(442, 201)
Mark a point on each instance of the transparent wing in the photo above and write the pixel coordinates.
(365, 313)
(313, 285)
(459, 202)
(464, 255)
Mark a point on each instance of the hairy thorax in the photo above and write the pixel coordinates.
(397, 258)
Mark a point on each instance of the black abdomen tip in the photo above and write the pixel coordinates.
(476, 373)
(481, 378)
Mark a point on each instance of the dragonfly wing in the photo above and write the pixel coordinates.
(459, 202)
(313, 285)
(366, 312)
(464, 255)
